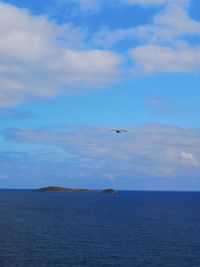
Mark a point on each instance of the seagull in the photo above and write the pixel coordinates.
(119, 130)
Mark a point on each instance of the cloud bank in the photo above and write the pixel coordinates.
(151, 150)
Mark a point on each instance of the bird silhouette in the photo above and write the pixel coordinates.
(118, 130)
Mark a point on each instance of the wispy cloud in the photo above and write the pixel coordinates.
(163, 106)
(151, 150)
(155, 2)
(160, 59)
(3, 176)
(15, 113)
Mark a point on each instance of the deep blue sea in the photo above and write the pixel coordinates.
(136, 229)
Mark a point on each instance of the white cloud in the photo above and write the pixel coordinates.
(189, 158)
(153, 58)
(151, 150)
(166, 50)
(168, 27)
(178, 19)
(41, 59)
(164, 47)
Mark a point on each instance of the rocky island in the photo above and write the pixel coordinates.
(109, 191)
(71, 190)
(61, 189)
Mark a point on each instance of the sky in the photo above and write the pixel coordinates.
(72, 70)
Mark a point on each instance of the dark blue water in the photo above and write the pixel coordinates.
(136, 229)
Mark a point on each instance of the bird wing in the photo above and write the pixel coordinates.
(118, 130)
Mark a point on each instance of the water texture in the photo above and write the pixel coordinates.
(136, 229)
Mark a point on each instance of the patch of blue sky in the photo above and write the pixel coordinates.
(194, 7)
(116, 17)
(194, 40)
(34, 7)
(123, 104)
(111, 15)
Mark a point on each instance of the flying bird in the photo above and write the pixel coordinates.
(119, 130)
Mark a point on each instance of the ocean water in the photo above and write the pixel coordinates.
(136, 229)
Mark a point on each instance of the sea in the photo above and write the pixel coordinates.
(129, 229)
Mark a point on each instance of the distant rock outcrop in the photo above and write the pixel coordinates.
(109, 191)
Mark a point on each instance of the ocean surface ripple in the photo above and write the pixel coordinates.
(130, 229)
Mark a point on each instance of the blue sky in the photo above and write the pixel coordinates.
(71, 70)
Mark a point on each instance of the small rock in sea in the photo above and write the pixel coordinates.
(109, 191)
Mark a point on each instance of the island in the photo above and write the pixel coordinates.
(71, 190)
(109, 191)
(62, 189)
